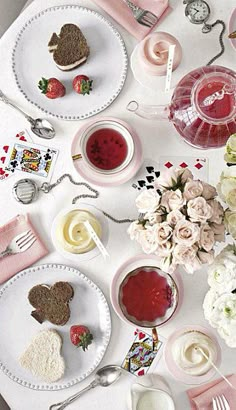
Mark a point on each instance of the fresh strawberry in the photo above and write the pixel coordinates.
(51, 87)
(82, 84)
(80, 336)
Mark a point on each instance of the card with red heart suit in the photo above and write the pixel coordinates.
(31, 158)
(144, 349)
(197, 165)
(21, 136)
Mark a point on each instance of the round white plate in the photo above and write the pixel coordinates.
(106, 66)
(18, 327)
(81, 257)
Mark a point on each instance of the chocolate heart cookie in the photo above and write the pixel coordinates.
(51, 303)
(69, 48)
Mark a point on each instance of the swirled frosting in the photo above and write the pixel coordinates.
(73, 235)
(187, 356)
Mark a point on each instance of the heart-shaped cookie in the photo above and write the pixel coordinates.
(69, 48)
(43, 356)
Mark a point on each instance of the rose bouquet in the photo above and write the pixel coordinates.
(179, 221)
(220, 301)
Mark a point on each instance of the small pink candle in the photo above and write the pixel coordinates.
(154, 50)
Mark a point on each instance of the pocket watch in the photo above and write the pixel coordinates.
(198, 12)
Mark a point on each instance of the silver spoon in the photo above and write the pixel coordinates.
(41, 127)
(103, 377)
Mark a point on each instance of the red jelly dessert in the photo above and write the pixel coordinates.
(146, 295)
(106, 149)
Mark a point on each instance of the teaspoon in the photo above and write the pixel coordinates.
(41, 127)
(103, 377)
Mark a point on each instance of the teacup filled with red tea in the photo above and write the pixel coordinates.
(107, 146)
(148, 297)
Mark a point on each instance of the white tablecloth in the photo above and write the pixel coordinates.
(158, 138)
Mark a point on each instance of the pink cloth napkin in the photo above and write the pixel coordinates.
(120, 11)
(9, 265)
(201, 397)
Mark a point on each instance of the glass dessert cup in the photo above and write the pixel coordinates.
(185, 344)
(107, 147)
(202, 108)
(148, 297)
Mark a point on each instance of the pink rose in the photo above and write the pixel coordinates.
(134, 230)
(169, 179)
(218, 211)
(168, 265)
(163, 232)
(153, 217)
(172, 200)
(219, 232)
(209, 192)
(184, 255)
(192, 189)
(206, 257)
(199, 210)
(165, 249)
(174, 217)
(148, 240)
(207, 237)
(186, 233)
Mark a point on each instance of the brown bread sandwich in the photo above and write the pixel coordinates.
(51, 303)
(69, 48)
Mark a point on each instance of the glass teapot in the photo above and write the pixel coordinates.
(202, 108)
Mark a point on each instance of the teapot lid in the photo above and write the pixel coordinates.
(214, 97)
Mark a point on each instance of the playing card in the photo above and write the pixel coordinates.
(197, 165)
(4, 148)
(144, 349)
(147, 175)
(31, 158)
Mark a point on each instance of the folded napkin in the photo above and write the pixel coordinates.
(120, 11)
(9, 265)
(201, 397)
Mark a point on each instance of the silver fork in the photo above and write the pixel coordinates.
(144, 17)
(20, 243)
(220, 403)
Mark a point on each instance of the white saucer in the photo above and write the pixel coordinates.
(81, 257)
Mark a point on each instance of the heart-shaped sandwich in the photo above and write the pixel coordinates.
(43, 356)
(69, 48)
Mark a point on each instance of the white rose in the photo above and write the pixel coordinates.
(208, 304)
(148, 239)
(163, 232)
(207, 237)
(174, 217)
(168, 265)
(192, 189)
(147, 201)
(186, 233)
(224, 310)
(199, 210)
(227, 188)
(230, 222)
(134, 230)
(172, 200)
(228, 333)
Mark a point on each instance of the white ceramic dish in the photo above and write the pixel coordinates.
(106, 45)
(175, 371)
(17, 327)
(82, 257)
